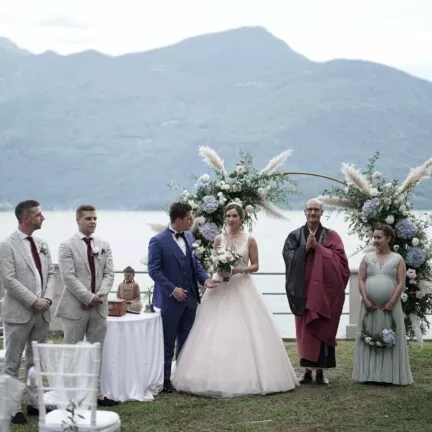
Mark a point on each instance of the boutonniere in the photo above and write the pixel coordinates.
(43, 249)
(98, 252)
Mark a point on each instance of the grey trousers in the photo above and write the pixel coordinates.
(18, 338)
(91, 325)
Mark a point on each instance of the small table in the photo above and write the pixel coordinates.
(133, 357)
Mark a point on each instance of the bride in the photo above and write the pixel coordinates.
(234, 348)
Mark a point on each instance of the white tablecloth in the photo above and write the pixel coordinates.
(133, 357)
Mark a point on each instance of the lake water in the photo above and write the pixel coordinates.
(129, 234)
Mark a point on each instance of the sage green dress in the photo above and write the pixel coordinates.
(382, 365)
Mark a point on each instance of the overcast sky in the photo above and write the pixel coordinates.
(393, 32)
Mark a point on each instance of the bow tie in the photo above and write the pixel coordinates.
(178, 234)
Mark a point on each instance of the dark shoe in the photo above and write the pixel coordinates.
(33, 411)
(320, 378)
(19, 418)
(107, 402)
(306, 378)
(167, 387)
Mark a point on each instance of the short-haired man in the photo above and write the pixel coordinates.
(87, 270)
(175, 270)
(28, 275)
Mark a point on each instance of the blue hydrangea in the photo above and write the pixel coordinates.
(370, 207)
(406, 229)
(389, 337)
(209, 230)
(200, 186)
(415, 257)
(210, 204)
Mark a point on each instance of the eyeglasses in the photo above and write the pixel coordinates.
(310, 210)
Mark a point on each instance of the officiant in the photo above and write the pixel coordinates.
(317, 274)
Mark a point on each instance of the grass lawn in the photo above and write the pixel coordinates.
(342, 406)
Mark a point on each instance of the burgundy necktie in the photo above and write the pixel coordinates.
(91, 263)
(36, 257)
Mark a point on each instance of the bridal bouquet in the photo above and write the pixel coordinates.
(224, 260)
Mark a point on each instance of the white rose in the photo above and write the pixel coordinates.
(96, 251)
(389, 220)
(193, 204)
(402, 208)
(249, 209)
(378, 344)
(404, 297)
(195, 245)
(415, 241)
(200, 220)
(185, 193)
(346, 190)
(226, 187)
(234, 188)
(205, 178)
(261, 193)
(376, 175)
(240, 169)
(374, 192)
(388, 185)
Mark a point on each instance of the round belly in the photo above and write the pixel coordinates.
(379, 289)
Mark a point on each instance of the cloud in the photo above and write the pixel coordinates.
(64, 22)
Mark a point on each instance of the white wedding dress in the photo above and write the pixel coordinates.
(234, 348)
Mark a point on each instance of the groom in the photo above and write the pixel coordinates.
(175, 269)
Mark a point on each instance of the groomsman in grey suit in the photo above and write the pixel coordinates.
(87, 270)
(27, 274)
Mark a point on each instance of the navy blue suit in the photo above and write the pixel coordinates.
(170, 268)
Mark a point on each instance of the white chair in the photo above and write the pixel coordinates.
(70, 375)
(10, 390)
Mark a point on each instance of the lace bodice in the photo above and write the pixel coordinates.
(238, 243)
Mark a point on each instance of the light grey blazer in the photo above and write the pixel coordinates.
(19, 276)
(76, 276)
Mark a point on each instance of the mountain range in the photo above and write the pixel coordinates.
(114, 131)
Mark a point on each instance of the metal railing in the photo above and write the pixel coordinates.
(347, 293)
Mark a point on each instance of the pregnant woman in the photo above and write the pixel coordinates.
(381, 353)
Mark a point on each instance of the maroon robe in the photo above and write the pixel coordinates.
(326, 274)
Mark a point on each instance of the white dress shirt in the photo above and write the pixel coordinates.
(180, 240)
(82, 236)
(27, 247)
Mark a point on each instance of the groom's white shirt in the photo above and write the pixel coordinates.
(27, 247)
(180, 241)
